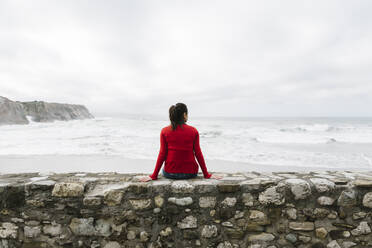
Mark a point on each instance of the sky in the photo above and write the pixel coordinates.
(221, 58)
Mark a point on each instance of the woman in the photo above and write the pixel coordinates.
(178, 143)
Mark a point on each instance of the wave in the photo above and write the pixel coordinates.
(210, 134)
(311, 128)
(295, 129)
(30, 120)
(331, 140)
(253, 139)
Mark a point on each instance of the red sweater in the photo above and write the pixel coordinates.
(177, 150)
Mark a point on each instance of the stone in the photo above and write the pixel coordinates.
(32, 231)
(204, 186)
(359, 215)
(347, 198)
(144, 236)
(362, 228)
(207, 201)
(228, 188)
(323, 185)
(17, 220)
(227, 223)
(159, 201)
(325, 201)
(291, 237)
(139, 204)
(103, 228)
(336, 234)
(321, 232)
(262, 237)
(32, 223)
(238, 214)
(343, 225)
(35, 203)
(68, 190)
(82, 226)
(332, 215)
(292, 213)
(157, 210)
(346, 234)
(190, 234)
(333, 244)
(301, 226)
(247, 199)
(209, 231)
(348, 244)
(258, 217)
(228, 202)
(182, 186)
(92, 201)
(53, 229)
(299, 188)
(305, 239)
(271, 196)
(367, 200)
(225, 244)
(188, 222)
(131, 235)
(234, 233)
(184, 201)
(8, 230)
(321, 213)
(113, 197)
(166, 232)
(112, 244)
(363, 183)
(129, 215)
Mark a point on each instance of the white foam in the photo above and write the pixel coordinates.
(276, 142)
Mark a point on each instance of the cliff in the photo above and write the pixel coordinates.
(11, 112)
(45, 112)
(15, 112)
(109, 210)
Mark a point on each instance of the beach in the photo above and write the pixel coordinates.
(100, 163)
(131, 145)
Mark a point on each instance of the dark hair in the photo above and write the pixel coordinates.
(176, 114)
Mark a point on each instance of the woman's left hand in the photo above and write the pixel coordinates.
(145, 179)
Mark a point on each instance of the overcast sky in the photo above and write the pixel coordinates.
(221, 58)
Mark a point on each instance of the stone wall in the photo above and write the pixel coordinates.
(254, 210)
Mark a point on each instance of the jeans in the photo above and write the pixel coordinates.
(178, 175)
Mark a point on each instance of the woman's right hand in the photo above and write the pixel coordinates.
(216, 176)
(145, 179)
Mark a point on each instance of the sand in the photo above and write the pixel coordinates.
(102, 163)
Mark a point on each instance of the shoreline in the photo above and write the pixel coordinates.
(116, 163)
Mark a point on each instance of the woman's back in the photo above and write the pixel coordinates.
(177, 149)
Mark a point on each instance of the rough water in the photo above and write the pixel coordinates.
(302, 142)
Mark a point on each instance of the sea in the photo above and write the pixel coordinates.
(301, 142)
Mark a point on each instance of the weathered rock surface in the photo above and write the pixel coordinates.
(268, 210)
(16, 112)
(11, 112)
(299, 188)
(68, 190)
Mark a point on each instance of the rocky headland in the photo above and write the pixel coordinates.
(247, 210)
(15, 112)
